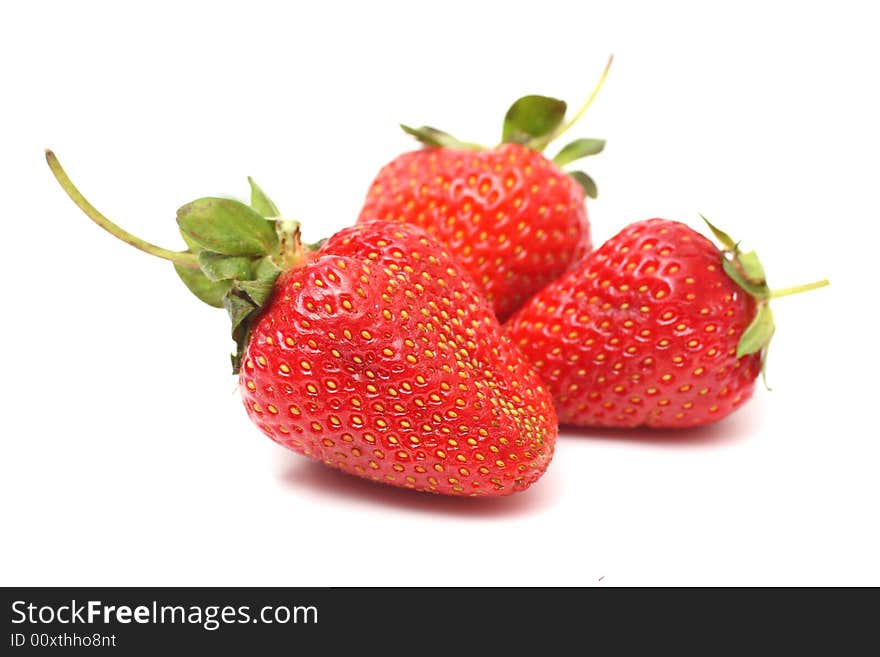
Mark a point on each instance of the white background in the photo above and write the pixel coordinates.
(127, 457)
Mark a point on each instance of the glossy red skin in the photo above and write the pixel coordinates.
(451, 407)
(514, 219)
(643, 333)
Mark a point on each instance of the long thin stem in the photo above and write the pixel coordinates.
(583, 108)
(797, 289)
(177, 257)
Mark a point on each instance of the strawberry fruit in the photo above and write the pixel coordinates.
(657, 327)
(374, 353)
(514, 218)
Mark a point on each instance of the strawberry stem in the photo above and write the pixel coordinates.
(291, 250)
(797, 289)
(177, 257)
(583, 108)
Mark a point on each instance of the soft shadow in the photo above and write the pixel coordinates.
(736, 427)
(309, 477)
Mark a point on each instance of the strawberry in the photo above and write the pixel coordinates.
(655, 328)
(373, 353)
(514, 218)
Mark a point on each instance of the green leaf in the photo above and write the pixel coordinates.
(429, 136)
(433, 137)
(764, 371)
(266, 270)
(757, 290)
(193, 247)
(219, 267)
(577, 149)
(258, 291)
(227, 226)
(587, 183)
(262, 203)
(752, 267)
(757, 335)
(204, 288)
(242, 301)
(239, 306)
(532, 117)
(725, 239)
(315, 246)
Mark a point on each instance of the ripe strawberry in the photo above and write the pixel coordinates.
(373, 354)
(514, 219)
(657, 327)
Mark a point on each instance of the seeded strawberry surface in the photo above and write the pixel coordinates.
(378, 357)
(644, 332)
(513, 218)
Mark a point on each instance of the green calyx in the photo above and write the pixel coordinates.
(234, 253)
(534, 121)
(746, 270)
(432, 137)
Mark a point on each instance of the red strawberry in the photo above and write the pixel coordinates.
(657, 327)
(514, 219)
(373, 354)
